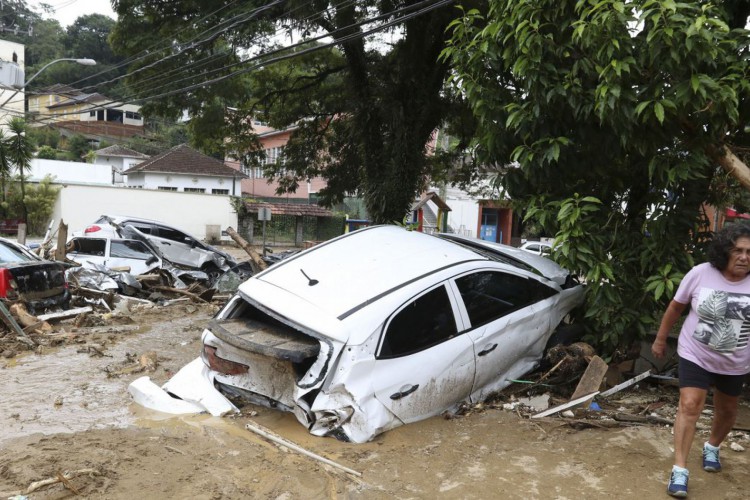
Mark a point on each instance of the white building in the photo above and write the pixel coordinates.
(11, 81)
(119, 159)
(184, 169)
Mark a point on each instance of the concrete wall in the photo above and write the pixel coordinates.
(70, 171)
(79, 206)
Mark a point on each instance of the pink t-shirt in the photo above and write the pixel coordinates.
(716, 331)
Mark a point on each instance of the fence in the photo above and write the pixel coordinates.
(291, 230)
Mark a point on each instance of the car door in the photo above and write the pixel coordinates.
(88, 250)
(132, 254)
(179, 247)
(507, 320)
(423, 365)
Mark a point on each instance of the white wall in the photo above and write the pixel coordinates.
(79, 206)
(70, 171)
(154, 180)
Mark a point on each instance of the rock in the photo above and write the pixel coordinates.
(736, 447)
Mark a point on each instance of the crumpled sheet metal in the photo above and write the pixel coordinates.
(91, 278)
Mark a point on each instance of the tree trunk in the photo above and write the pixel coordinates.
(732, 165)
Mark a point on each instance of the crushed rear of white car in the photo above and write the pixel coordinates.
(382, 327)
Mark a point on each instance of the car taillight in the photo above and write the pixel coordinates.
(221, 365)
(92, 229)
(8, 287)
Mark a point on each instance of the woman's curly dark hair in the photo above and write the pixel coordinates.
(723, 243)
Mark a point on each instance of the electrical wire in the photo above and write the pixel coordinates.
(264, 61)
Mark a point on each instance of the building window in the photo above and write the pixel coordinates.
(92, 113)
(258, 173)
(193, 190)
(219, 191)
(245, 168)
(166, 188)
(273, 155)
(132, 115)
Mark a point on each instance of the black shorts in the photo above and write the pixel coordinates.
(692, 375)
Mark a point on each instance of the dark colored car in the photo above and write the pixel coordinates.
(39, 283)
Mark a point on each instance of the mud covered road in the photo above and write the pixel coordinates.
(68, 410)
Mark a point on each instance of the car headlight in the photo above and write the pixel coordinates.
(334, 418)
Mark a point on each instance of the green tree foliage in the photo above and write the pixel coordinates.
(15, 14)
(362, 113)
(44, 45)
(20, 151)
(39, 202)
(78, 146)
(47, 153)
(87, 37)
(618, 115)
(44, 136)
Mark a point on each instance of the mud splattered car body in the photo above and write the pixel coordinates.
(382, 327)
(25, 277)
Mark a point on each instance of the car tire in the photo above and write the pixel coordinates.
(566, 335)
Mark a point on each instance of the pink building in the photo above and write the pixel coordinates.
(256, 185)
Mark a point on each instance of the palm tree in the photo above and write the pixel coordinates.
(20, 152)
(5, 171)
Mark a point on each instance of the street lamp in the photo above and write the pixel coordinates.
(84, 62)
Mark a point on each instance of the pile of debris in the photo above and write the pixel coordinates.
(107, 296)
(646, 398)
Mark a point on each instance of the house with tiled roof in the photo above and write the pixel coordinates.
(184, 169)
(119, 159)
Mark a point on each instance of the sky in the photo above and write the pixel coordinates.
(67, 11)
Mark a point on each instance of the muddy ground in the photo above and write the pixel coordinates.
(66, 409)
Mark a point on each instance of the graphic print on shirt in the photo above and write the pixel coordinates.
(724, 320)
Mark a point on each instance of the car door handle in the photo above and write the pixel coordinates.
(487, 350)
(165, 243)
(405, 392)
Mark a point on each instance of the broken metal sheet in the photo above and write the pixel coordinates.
(231, 280)
(153, 397)
(91, 278)
(193, 385)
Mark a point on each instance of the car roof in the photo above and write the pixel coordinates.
(359, 267)
(525, 260)
(119, 218)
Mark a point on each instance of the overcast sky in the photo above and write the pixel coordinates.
(67, 11)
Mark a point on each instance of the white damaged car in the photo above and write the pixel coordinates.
(378, 328)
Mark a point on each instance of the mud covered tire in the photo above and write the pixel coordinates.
(565, 335)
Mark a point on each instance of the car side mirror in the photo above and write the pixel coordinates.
(151, 260)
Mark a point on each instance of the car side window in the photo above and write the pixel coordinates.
(426, 321)
(129, 250)
(489, 295)
(172, 234)
(140, 226)
(88, 246)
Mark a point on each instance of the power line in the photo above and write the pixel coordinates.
(263, 62)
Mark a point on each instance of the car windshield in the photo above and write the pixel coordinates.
(9, 254)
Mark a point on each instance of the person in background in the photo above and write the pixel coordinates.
(712, 346)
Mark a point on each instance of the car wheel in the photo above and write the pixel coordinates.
(566, 335)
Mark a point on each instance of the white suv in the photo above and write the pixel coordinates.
(175, 245)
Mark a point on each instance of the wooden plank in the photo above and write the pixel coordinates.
(65, 314)
(565, 406)
(591, 380)
(626, 384)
